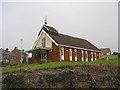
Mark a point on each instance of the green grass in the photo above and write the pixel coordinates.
(57, 64)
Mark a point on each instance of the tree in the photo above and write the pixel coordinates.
(116, 53)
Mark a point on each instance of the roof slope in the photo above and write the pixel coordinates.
(7, 53)
(68, 40)
(20, 51)
(105, 50)
(51, 28)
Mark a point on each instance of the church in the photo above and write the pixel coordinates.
(52, 46)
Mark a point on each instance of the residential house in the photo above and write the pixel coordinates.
(7, 56)
(18, 53)
(105, 52)
(52, 46)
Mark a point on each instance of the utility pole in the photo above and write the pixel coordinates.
(21, 56)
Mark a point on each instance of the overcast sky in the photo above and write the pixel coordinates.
(95, 21)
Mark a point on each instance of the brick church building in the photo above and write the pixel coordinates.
(52, 46)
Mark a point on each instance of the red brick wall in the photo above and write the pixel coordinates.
(93, 56)
(84, 55)
(105, 54)
(78, 55)
(54, 55)
(66, 54)
(97, 55)
(17, 54)
(33, 55)
(4, 58)
(89, 55)
(35, 58)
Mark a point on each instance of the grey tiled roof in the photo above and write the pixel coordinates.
(105, 50)
(20, 51)
(68, 40)
(2, 51)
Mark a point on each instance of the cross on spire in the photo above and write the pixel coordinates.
(46, 20)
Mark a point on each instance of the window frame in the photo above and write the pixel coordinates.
(82, 55)
(75, 54)
(86, 55)
(108, 53)
(43, 42)
(91, 56)
(62, 53)
(95, 55)
(70, 54)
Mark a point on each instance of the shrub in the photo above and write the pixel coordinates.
(116, 53)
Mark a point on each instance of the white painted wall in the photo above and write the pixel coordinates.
(48, 41)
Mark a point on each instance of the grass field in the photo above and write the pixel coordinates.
(56, 65)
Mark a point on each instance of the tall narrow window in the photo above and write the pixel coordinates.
(86, 56)
(62, 53)
(95, 55)
(75, 55)
(102, 53)
(91, 56)
(44, 56)
(40, 57)
(44, 42)
(99, 55)
(108, 53)
(70, 54)
(82, 56)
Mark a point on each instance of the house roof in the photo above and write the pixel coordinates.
(7, 53)
(63, 39)
(105, 50)
(20, 51)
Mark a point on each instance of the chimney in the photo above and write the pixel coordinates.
(15, 47)
(23, 50)
(6, 49)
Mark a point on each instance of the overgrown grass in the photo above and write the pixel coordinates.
(57, 65)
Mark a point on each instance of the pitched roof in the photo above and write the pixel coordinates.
(68, 40)
(105, 50)
(51, 28)
(7, 53)
(20, 51)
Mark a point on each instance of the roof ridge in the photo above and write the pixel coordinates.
(66, 39)
(47, 25)
(104, 48)
(20, 50)
(65, 34)
(50, 28)
(3, 50)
